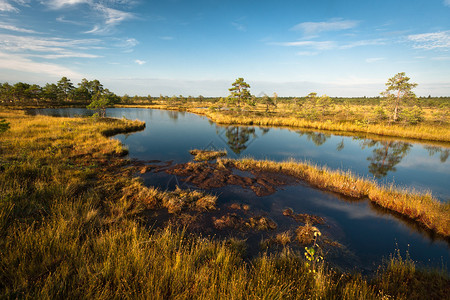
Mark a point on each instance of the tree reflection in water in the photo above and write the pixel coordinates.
(239, 138)
(174, 115)
(340, 145)
(443, 153)
(318, 138)
(385, 156)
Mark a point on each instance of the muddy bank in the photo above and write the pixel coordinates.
(207, 175)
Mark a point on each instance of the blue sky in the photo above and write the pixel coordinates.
(173, 47)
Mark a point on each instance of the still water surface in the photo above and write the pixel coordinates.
(367, 233)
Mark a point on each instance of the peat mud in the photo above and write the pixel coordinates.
(206, 175)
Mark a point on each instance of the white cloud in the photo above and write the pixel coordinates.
(332, 25)
(447, 2)
(62, 19)
(113, 16)
(140, 62)
(110, 17)
(331, 45)
(128, 43)
(97, 30)
(22, 2)
(363, 43)
(14, 28)
(57, 4)
(374, 59)
(64, 54)
(47, 47)
(432, 40)
(324, 45)
(19, 63)
(6, 6)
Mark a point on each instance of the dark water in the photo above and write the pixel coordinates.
(366, 232)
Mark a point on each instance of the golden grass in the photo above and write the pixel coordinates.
(70, 228)
(422, 208)
(207, 155)
(353, 119)
(419, 132)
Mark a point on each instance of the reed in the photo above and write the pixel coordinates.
(359, 121)
(207, 155)
(70, 227)
(420, 207)
(431, 132)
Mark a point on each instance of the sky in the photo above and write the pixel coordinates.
(345, 48)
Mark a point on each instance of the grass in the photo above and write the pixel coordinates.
(422, 208)
(207, 155)
(70, 228)
(340, 118)
(419, 132)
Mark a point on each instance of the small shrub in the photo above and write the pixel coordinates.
(412, 116)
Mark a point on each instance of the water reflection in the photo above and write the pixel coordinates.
(385, 156)
(170, 134)
(443, 153)
(317, 138)
(340, 145)
(239, 138)
(173, 115)
(363, 228)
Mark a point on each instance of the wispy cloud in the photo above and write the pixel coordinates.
(47, 47)
(140, 62)
(319, 45)
(7, 7)
(362, 43)
(19, 63)
(113, 16)
(239, 26)
(432, 40)
(331, 45)
(15, 28)
(126, 43)
(110, 17)
(447, 2)
(57, 4)
(310, 28)
(62, 19)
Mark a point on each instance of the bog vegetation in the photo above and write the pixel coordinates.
(396, 112)
(70, 208)
(70, 227)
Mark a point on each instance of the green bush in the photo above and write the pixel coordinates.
(412, 116)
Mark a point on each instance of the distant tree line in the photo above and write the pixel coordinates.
(396, 104)
(61, 92)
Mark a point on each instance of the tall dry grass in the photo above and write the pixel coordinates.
(352, 119)
(420, 207)
(70, 228)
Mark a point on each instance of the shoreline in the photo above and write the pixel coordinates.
(70, 218)
(340, 128)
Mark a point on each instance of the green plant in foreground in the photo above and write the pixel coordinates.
(312, 254)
